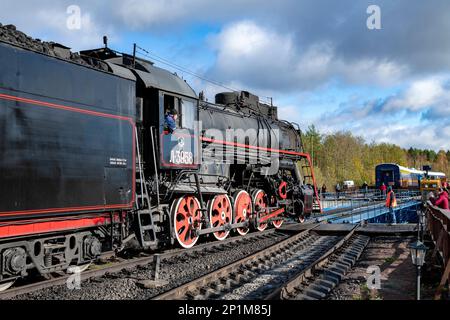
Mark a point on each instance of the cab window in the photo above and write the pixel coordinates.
(171, 102)
(186, 109)
(188, 113)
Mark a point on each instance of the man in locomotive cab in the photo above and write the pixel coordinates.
(172, 113)
(171, 120)
(178, 141)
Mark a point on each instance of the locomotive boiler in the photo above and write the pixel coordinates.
(87, 164)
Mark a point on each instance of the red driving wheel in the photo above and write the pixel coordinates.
(242, 209)
(186, 220)
(260, 204)
(220, 214)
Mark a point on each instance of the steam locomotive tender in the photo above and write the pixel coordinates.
(87, 164)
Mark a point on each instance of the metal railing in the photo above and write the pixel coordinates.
(351, 194)
(373, 209)
(358, 198)
(438, 223)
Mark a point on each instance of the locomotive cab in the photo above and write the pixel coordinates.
(179, 148)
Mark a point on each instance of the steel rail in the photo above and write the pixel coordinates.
(297, 279)
(181, 291)
(33, 287)
(328, 275)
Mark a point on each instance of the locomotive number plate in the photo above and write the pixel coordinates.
(181, 157)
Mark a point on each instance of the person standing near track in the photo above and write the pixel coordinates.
(442, 200)
(365, 188)
(391, 203)
(383, 189)
(338, 189)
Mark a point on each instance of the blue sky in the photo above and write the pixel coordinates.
(317, 59)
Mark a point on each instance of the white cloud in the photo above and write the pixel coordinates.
(404, 132)
(265, 59)
(247, 51)
(89, 35)
(137, 13)
(283, 48)
(421, 94)
(47, 20)
(173, 14)
(372, 71)
(417, 116)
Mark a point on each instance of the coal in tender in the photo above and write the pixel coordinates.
(10, 34)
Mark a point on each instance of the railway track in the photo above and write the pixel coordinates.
(100, 270)
(320, 278)
(304, 266)
(278, 272)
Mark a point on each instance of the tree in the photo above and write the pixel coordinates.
(312, 143)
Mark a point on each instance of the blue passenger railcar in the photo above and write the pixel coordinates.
(397, 176)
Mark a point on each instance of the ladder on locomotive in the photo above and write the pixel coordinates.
(146, 233)
(308, 177)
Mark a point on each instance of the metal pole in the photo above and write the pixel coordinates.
(422, 225)
(421, 232)
(134, 55)
(155, 164)
(418, 282)
(360, 216)
(418, 226)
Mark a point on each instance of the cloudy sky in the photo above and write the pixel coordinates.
(316, 58)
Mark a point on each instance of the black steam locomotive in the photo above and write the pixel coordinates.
(88, 164)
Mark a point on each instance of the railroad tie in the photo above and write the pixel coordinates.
(219, 286)
(325, 289)
(330, 278)
(342, 265)
(303, 297)
(347, 259)
(325, 282)
(247, 274)
(206, 293)
(352, 253)
(333, 274)
(230, 283)
(338, 270)
(314, 293)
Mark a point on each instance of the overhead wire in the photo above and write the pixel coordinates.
(146, 53)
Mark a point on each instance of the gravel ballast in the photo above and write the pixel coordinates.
(175, 270)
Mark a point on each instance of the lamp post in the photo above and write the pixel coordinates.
(418, 250)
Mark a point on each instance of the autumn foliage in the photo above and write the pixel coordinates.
(342, 156)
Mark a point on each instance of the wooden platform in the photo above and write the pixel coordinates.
(374, 229)
(368, 229)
